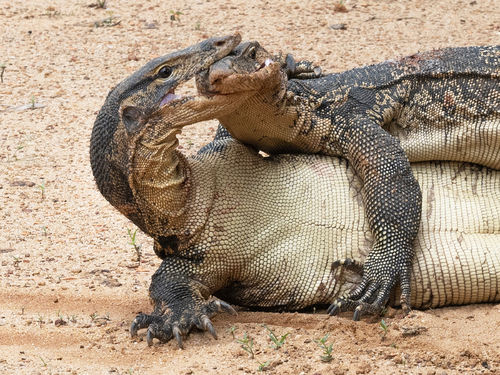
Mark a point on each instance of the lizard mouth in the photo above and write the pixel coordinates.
(170, 97)
(266, 63)
(263, 76)
(182, 93)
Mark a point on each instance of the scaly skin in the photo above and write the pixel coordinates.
(271, 232)
(439, 105)
(127, 109)
(120, 143)
(280, 232)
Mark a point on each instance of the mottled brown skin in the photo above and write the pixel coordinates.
(127, 161)
(128, 108)
(438, 105)
(269, 232)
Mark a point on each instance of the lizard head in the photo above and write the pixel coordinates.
(248, 81)
(129, 107)
(250, 96)
(248, 68)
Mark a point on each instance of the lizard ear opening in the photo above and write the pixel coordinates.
(131, 117)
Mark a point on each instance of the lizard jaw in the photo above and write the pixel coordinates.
(264, 77)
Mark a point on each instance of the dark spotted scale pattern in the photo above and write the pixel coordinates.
(437, 105)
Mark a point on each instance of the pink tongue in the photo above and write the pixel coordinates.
(168, 98)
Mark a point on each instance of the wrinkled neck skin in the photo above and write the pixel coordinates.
(236, 97)
(164, 185)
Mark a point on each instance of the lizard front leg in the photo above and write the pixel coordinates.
(393, 203)
(180, 303)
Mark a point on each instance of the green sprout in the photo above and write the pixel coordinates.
(18, 148)
(16, 260)
(33, 101)
(42, 189)
(232, 330)
(277, 343)
(134, 243)
(384, 327)
(175, 16)
(263, 366)
(40, 320)
(247, 345)
(327, 349)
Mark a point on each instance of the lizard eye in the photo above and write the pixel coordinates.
(165, 72)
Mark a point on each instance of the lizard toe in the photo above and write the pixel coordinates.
(142, 321)
(169, 324)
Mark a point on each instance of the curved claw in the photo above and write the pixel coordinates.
(211, 329)
(177, 335)
(334, 309)
(290, 63)
(166, 323)
(223, 306)
(349, 264)
(150, 337)
(357, 314)
(134, 327)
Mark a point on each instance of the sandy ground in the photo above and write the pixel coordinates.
(69, 283)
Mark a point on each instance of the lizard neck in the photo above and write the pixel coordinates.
(167, 188)
(107, 153)
(251, 123)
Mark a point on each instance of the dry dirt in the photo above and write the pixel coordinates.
(70, 285)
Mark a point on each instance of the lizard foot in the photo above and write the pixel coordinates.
(303, 69)
(177, 323)
(371, 296)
